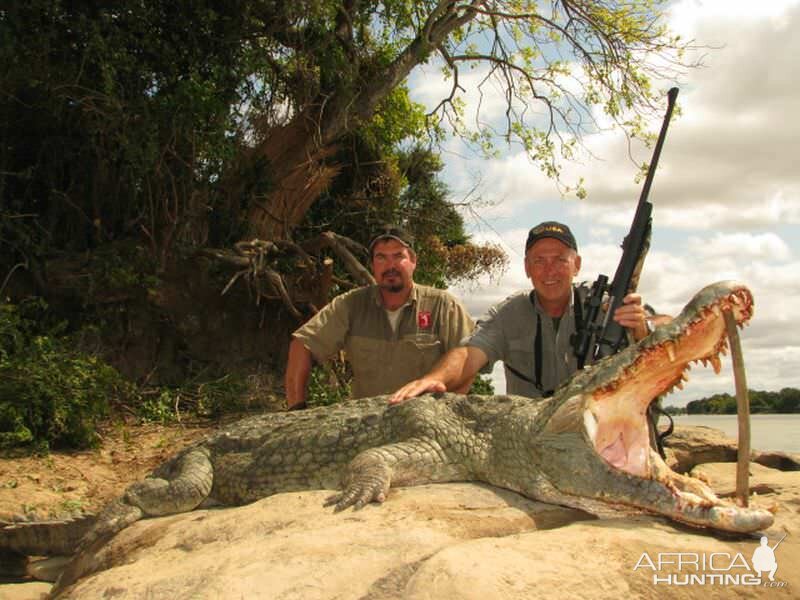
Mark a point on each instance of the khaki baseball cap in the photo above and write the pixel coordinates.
(392, 232)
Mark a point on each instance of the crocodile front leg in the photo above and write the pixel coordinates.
(372, 472)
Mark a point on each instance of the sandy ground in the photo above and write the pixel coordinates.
(68, 482)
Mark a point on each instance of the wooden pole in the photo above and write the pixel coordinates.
(743, 411)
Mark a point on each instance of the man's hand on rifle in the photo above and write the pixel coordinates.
(632, 316)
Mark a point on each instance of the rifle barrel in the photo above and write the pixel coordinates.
(672, 96)
(611, 337)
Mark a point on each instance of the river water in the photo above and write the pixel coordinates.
(767, 432)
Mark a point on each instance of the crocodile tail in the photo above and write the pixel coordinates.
(45, 538)
(113, 519)
(179, 486)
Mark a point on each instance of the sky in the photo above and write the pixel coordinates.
(726, 195)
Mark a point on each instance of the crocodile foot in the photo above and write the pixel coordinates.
(368, 479)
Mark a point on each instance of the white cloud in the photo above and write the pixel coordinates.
(726, 196)
(741, 247)
(687, 16)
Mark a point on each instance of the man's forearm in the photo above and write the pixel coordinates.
(298, 369)
(449, 370)
(458, 368)
(464, 387)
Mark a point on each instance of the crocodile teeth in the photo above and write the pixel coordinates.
(590, 423)
(670, 348)
(684, 376)
(716, 310)
(716, 363)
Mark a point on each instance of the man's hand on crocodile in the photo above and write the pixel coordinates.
(454, 372)
(417, 388)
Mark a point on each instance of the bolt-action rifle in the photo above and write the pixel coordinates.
(606, 337)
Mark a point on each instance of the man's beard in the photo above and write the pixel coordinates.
(394, 286)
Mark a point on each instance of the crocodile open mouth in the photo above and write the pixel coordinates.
(607, 405)
(615, 416)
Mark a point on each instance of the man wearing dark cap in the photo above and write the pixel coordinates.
(529, 331)
(392, 332)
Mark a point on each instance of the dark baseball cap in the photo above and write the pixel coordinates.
(551, 229)
(392, 232)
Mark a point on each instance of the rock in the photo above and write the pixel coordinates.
(442, 541)
(689, 446)
(601, 560)
(784, 461)
(426, 542)
(14, 565)
(763, 480)
(288, 545)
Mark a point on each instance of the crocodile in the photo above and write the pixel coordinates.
(586, 447)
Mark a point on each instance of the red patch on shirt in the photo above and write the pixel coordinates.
(424, 319)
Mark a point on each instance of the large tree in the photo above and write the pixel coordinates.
(169, 118)
(335, 65)
(174, 126)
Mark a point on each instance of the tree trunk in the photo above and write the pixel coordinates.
(296, 153)
(299, 173)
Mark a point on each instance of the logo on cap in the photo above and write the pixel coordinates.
(550, 228)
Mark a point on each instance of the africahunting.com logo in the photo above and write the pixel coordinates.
(714, 568)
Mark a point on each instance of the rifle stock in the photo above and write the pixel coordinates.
(609, 337)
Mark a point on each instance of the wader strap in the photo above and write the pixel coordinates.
(578, 305)
(653, 412)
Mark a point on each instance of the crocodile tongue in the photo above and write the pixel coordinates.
(622, 443)
(615, 453)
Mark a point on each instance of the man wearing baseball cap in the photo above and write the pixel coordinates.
(529, 331)
(391, 332)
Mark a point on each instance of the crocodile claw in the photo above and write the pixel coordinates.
(368, 480)
(356, 499)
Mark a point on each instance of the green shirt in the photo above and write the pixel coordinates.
(507, 333)
(431, 323)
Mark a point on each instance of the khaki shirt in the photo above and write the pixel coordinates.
(507, 333)
(431, 323)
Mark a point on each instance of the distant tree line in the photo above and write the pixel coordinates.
(786, 400)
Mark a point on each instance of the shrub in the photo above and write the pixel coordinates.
(211, 398)
(328, 384)
(50, 395)
(482, 385)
